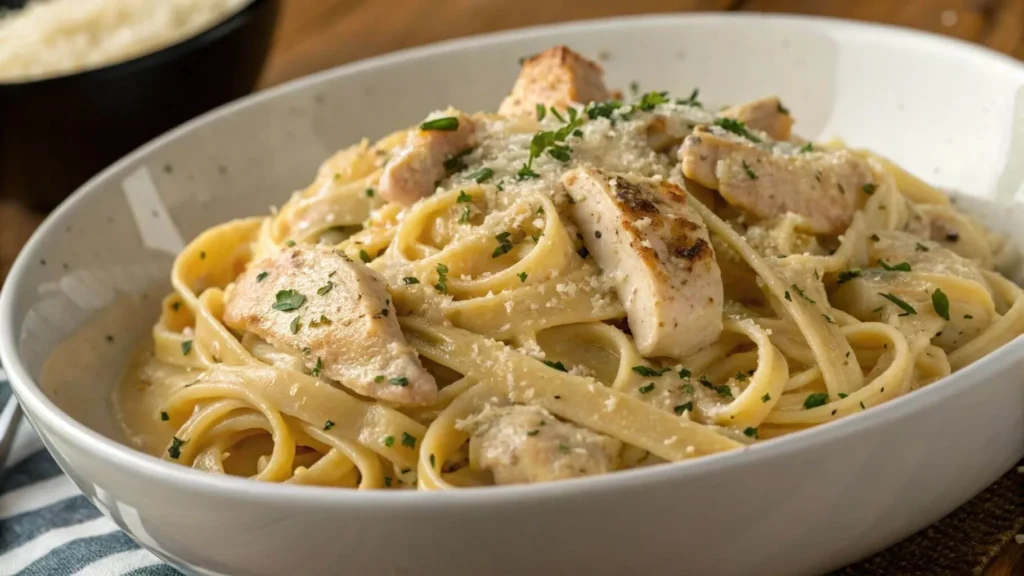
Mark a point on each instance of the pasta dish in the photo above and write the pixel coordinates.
(577, 284)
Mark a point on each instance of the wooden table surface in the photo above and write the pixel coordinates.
(316, 34)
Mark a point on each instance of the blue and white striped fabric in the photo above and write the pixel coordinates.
(48, 528)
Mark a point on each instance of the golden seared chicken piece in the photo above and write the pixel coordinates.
(338, 314)
(416, 167)
(524, 444)
(767, 115)
(769, 180)
(557, 77)
(641, 233)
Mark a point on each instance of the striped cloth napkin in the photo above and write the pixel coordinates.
(48, 528)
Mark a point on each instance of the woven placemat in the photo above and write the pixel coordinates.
(961, 544)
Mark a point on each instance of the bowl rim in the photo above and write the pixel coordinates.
(167, 53)
(38, 405)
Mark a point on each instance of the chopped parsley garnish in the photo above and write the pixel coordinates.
(387, 481)
(651, 99)
(692, 100)
(686, 388)
(869, 188)
(410, 280)
(164, 416)
(847, 275)
(447, 124)
(648, 372)
(504, 244)
(467, 211)
(782, 109)
(940, 303)
(875, 238)
(815, 400)
(583, 252)
(920, 247)
(597, 233)
(319, 367)
(750, 432)
(952, 236)
(602, 109)
(801, 293)
(828, 319)
(807, 148)
(684, 373)
(432, 461)
(564, 449)
(556, 114)
(741, 377)
(399, 381)
(842, 395)
(289, 243)
(901, 267)
(634, 87)
(532, 432)
(328, 425)
(736, 127)
(175, 450)
(766, 397)
(968, 317)
(176, 306)
(750, 173)
(679, 409)
(262, 276)
(552, 142)
(646, 389)
(463, 197)
(908, 310)
(541, 112)
(364, 256)
(442, 279)
(307, 350)
(389, 441)
(556, 365)
(522, 276)
(526, 173)
(321, 321)
(384, 312)
(788, 297)
(408, 440)
(186, 347)
(295, 325)
(288, 300)
(862, 406)
(481, 175)
(724, 391)
(370, 192)
(705, 382)
(378, 378)
(325, 288)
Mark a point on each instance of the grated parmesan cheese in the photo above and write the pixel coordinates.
(54, 37)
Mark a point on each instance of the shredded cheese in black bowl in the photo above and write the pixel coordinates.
(66, 115)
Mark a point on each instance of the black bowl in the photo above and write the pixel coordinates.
(56, 133)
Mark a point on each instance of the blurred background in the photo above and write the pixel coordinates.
(306, 36)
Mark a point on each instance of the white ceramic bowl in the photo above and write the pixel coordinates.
(950, 112)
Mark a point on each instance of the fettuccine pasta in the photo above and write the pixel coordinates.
(572, 286)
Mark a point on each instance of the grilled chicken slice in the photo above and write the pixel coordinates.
(524, 444)
(641, 232)
(557, 77)
(766, 181)
(338, 313)
(413, 171)
(767, 115)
